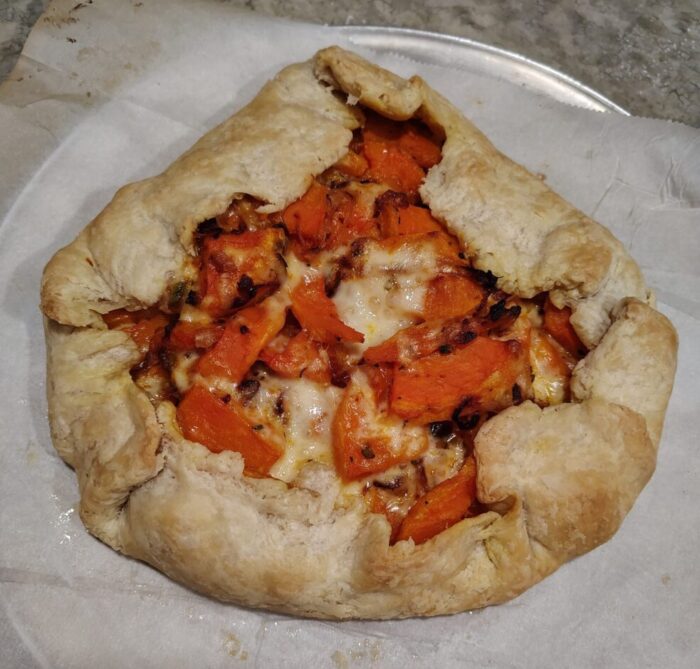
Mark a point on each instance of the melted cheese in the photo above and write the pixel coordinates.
(181, 370)
(303, 429)
(296, 271)
(310, 409)
(550, 372)
(389, 295)
(401, 438)
(406, 258)
(386, 297)
(193, 314)
(442, 463)
(365, 306)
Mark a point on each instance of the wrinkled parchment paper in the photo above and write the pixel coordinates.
(109, 92)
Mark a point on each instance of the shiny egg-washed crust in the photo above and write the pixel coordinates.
(558, 481)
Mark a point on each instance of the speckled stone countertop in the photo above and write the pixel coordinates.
(642, 54)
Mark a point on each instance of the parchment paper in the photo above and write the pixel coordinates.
(109, 92)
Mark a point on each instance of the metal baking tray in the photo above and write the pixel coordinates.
(475, 57)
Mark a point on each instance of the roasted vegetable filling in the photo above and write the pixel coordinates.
(351, 330)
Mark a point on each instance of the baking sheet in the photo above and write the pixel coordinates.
(112, 92)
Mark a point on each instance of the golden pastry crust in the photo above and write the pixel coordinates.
(557, 481)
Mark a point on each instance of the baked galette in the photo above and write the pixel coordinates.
(345, 359)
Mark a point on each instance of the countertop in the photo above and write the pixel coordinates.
(642, 54)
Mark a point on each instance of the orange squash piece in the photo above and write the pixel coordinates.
(415, 341)
(245, 335)
(306, 218)
(415, 220)
(418, 341)
(188, 336)
(298, 356)
(424, 150)
(146, 332)
(235, 266)
(145, 327)
(442, 507)
(444, 334)
(353, 164)
(380, 377)
(410, 220)
(360, 447)
(557, 323)
(397, 156)
(316, 313)
(451, 295)
(483, 373)
(221, 426)
(390, 165)
(375, 504)
(387, 351)
(356, 456)
(348, 219)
